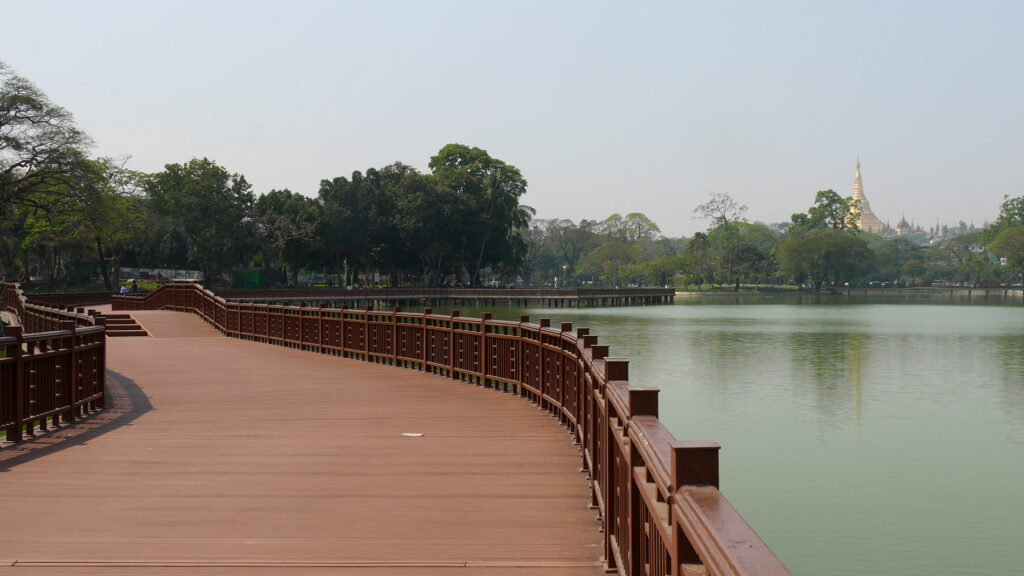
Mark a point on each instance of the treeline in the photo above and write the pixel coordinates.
(819, 248)
(68, 218)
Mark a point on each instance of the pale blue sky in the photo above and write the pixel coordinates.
(605, 107)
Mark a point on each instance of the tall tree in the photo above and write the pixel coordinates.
(208, 204)
(493, 188)
(39, 142)
(287, 222)
(830, 210)
(721, 210)
(639, 227)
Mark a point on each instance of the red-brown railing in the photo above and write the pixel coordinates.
(658, 498)
(461, 293)
(52, 368)
(70, 298)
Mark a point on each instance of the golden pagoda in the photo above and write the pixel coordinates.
(868, 221)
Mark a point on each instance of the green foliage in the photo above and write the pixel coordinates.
(489, 188)
(286, 227)
(607, 264)
(208, 204)
(898, 260)
(830, 210)
(1010, 245)
(1011, 213)
(40, 145)
(824, 255)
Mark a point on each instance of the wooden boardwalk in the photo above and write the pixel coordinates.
(222, 456)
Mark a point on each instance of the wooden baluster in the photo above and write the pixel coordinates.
(72, 371)
(484, 350)
(15, 350)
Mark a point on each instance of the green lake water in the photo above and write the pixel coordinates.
(858, 436)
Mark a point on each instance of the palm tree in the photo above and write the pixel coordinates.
(499, 201)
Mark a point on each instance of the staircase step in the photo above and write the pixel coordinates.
(122, 334)
(123, 325)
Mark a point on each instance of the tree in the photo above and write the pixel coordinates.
(492, 188)
(426, 211)
(960, 259)
(724, 213)
(287, 222)
(1010, 245)
(109, 210)
(39, 142)
(208, 204)
(893, 256)
(824, 255)
(722, 210)
(1011, 212)
(639, 227)
(697, 261)
(605, 264)
(830, 210)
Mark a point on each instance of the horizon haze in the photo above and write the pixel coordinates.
(604, 107)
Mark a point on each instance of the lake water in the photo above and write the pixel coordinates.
(858, 436)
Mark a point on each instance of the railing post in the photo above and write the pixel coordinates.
(424, 354)
(615, 368)
(71, 369)
(319, 329)
(564, 327)
(15, 434)
(542, 381)
(643, 402)
(366, 331)
(451, 342)
(394, 335)
(483, 348)
(341, 339)
(694, 463)
(520, 366)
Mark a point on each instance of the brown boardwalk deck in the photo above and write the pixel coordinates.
(223, 456)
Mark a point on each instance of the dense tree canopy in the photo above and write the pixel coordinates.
(208, 204)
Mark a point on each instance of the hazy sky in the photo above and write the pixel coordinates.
(605, 107)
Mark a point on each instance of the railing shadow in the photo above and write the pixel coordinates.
(125, 402)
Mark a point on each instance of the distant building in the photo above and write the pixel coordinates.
(868, 221)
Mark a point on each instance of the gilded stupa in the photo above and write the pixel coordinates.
(868, 221)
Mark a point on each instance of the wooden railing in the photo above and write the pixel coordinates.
(53, 365)
(482, 293)
(71, 298)
(658, 498)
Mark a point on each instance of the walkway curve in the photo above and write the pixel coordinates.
(247, 458)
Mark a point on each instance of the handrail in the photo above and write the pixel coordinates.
(658, 498)
(53, 367)
(285, 293)
(70, 298)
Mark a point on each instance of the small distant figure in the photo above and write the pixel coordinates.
(135, 286)
(124, 289)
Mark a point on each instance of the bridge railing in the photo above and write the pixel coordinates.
(466, 293)
(658, 498)
(52, 368)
